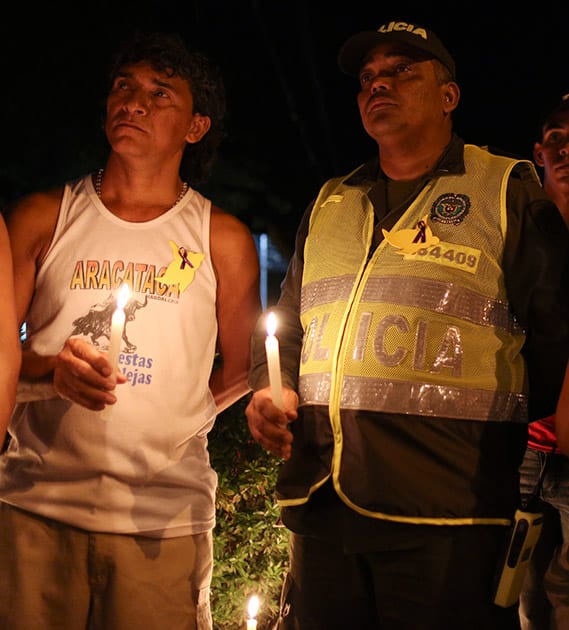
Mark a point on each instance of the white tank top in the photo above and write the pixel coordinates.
(145, 468)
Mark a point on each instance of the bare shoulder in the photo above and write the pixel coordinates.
(223, 220)
(233, 252)
(39, 208)
(228, 231)
(32, 218)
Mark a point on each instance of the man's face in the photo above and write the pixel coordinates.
(552, 153)
(399, 92)
(150, 113)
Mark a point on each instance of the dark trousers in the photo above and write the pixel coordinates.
(441, 578)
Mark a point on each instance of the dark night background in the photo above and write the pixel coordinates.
(293, 120)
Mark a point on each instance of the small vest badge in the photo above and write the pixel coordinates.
(410, 241)
(450, 208)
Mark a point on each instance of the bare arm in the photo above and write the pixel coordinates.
(79, 372)
(30, 224)
(10, 349)
(236, 265)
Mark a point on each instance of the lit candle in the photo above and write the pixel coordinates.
(273, 361)
(252, 610)
(117, 327)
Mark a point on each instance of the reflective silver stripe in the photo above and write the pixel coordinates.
(425, 293)
(374, 394)
(326, 291)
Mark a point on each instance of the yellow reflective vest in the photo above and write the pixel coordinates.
(422, 326)
(418, 327)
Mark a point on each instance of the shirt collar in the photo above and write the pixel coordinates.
(451, 162)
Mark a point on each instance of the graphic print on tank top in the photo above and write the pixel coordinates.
(96, 324)
(169, 283)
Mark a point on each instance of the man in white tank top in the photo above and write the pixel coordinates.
(140, 298)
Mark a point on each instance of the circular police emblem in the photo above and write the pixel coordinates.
(450, 208)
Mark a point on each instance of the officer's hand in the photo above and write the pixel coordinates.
(268, 424)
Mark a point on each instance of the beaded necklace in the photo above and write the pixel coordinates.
(99, 182)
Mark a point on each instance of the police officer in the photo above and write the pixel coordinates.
(422, 322)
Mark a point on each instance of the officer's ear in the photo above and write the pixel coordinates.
(450, 95)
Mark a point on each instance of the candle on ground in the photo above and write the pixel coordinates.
(252, 610)
(273, 362)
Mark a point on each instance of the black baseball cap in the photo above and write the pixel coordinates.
(411, 35)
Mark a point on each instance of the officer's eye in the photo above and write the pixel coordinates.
(402, 67)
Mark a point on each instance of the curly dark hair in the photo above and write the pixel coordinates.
(168, 53)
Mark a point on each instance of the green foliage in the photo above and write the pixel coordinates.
(250, 547)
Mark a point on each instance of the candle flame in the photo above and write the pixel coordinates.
(271, 323)
(124, 294)
(253, 606)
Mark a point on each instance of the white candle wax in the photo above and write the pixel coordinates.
(117, 327)
(252, 609)
(274, 362)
